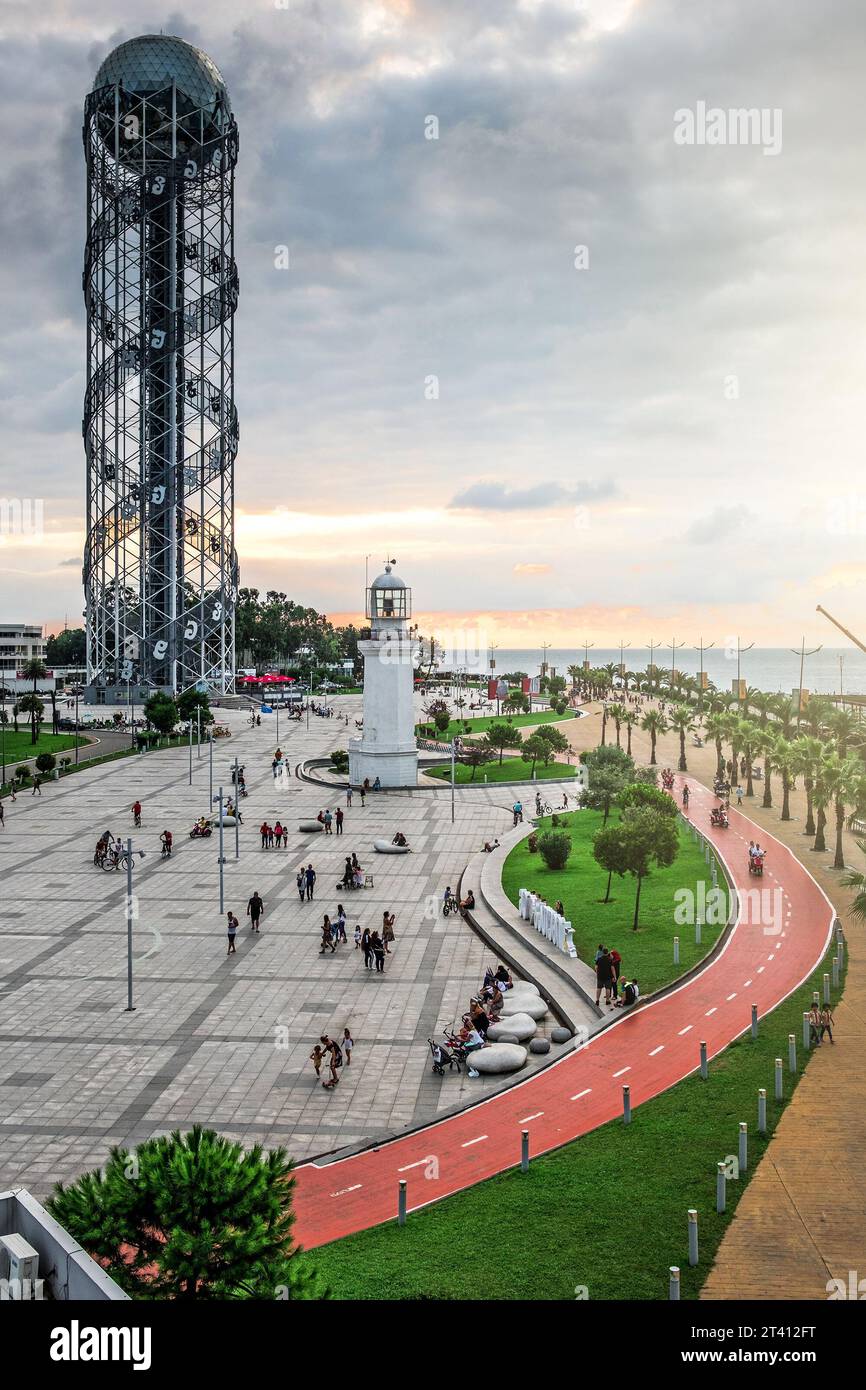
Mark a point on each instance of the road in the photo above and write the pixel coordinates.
(773, 947)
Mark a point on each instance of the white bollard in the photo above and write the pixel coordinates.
(676, 950)
(721, 1184)
(778, 1079)
(743, 1153)
(674, 1284)
(762, 1111)
(792, 1052)
(693, 1237)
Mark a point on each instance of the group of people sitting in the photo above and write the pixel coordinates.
(451, 900)
(484, 1008)
(400, 839)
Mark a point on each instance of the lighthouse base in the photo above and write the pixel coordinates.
(397, 768)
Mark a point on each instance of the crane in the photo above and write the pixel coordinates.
(836, 623)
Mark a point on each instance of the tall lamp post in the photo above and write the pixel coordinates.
(702, 648)
(130, 1007)
(3, 739)
(222, 857)
(622, 648)
(675, 647)
(740, 651)
(652, 647)
(76, 726)
(802, 653)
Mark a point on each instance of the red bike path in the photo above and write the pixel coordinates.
(649, 1050)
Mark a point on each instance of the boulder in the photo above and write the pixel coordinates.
(530, 1004)
(560, 1035)
(523, 987)
(498, 1058)
(310, 827)
(540, 1045)
(506, 1037)
(520, 1026)
(385, 847)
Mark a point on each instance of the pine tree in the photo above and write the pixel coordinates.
(191, 1216)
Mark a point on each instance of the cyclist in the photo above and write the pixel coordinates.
(165, 840)
(538, 806)
(136, 813)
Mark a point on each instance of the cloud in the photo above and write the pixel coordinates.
(497, 497)
(74, 562)
(721, 522)
(531, 569)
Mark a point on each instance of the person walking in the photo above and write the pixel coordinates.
(827, 1021)
(278, 834)
(285, 837)
(388, 920)
(255, 911)
(2, 817)
(616, 965)
(348, 1044)
(232, 929)
(357, 936)
(367, 948)
(37, 786)
(317, 1056)
(301, 883)
(310, 876)
(271, 833)
(264, 831)
(338, 817)
(739, 795)
(341, 923)
(328, 821)
(814, 1026)
(348, 796)
(379, 952)
(334, 1056)
(136, 813)
(328, 942)
(363, 796)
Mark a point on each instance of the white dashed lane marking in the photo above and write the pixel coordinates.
(760, 969)
(622, 1071)
(344, 1190)
(746, 984)
(527, 1118)
(410, 1166)
(470, 1142)
(658, 1049)
(711, 1011)
(732, 996)
(581, 1094)
(688, 1028)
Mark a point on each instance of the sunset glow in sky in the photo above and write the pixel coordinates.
(666, 440)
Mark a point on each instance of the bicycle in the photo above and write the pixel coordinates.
(120, 860)
(449, 905)
(543, 808)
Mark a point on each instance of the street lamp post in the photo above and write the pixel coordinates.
(701, 648)
(222, 858)
(76, 726)
(652, 647)
(190, 752)
(740, 650)
(198, 731)
(675, 646)
(130, 1007)
(210, 763)
(237, 809)
(452, 781)
(3, 739)
(622, 647)
(802, 653)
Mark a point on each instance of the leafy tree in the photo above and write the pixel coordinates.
(67, 648)
(190, 703)
(638, 794)
(648, 775)
(190, 1216)
(607, 755)
(609, 851)
(554, 738)
(475, 755)
(46, 762)
(649, 838)
(654, 724)
(554, 846)
(442, 719)
(340, 760)
(161, 713)
(534, 748)
(606, 784)
(500, 736)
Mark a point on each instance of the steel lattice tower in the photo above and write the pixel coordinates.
(160, 426)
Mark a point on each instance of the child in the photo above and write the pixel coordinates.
(358, 937)
(348, 1044)
(316, 1058)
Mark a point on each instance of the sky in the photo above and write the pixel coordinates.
(583, 380)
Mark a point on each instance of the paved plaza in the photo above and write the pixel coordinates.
(223, 1040)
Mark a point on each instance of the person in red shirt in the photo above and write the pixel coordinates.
(136, 813)
(265, 832)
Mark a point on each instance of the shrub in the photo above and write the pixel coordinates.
(340, 760)
(555, 847)
(46, 762)
(532, 843)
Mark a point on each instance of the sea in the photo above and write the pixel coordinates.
(772, 669)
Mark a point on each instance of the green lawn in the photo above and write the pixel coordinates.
(510, 770)
(646, 953)
(607, 1211)
(19, 746)
(476, 726)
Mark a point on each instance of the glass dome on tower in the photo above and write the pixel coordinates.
(388, 597)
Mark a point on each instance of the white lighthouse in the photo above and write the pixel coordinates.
(387, 747)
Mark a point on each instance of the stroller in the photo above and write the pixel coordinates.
(443, 1058)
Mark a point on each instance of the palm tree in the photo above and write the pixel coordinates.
(32, 705)
(732, 723)
(761, 702)
(785, 759)
(681, 722)
(574, 672)
(654, 724)
(858, 881)
(716, 729)
(821, 799)
(629, 719)
(766, 744)
(34, 670)
(748, 736)
(844, 727)
(844, 782)
(808, 752)
(617, 713)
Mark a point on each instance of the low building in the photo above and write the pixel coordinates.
(20, 643)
